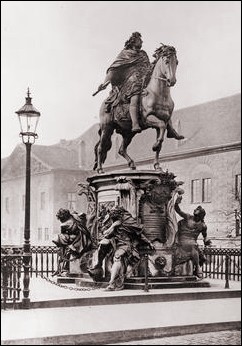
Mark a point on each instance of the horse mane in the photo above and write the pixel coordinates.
(162, 51)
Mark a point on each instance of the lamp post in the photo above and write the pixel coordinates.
(28, 119)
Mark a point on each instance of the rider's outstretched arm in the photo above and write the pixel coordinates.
(106, 82)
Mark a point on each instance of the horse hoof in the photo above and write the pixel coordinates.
(100, 171)
(156, 146)
(132, 166)
(157, 167)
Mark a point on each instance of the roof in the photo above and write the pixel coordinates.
(56, 157)
(43, 158)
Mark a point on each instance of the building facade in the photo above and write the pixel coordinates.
(208, 161)
(54, 184)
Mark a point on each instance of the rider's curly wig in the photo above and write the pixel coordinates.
(130, 42)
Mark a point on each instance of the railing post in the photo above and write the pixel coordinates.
(227, 258)
(5, 281)
(146, 258)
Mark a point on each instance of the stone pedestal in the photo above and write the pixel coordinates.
(162, 262)
(147, 195)
(74, 267)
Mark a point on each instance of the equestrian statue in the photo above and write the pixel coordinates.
(139, 99)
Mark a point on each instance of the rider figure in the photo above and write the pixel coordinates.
(128, 73)
(128, 76)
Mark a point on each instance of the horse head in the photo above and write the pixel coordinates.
(165, 64)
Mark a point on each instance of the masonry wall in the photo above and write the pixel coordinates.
(49, 192)
(12, 211)
(41, 209)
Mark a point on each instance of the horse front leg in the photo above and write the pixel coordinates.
(126, 140)
(157, 147)
(160, 127)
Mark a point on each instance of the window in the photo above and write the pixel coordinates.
(42, 200)
(7, 205)
(47, 236)
(23, 202)
(71, 201)
(39, 233)
(206, 190)
(195, 191)
(238, 186)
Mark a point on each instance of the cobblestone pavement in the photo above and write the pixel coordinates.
(232, 337)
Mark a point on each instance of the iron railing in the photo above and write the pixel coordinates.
(221, 262)
(44, 260)
(11, 268)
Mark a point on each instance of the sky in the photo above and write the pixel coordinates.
(62, 49)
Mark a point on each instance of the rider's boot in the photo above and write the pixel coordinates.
(133, 110)
(171, 132)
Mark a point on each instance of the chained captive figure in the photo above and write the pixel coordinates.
(189, 229)
(129, 75)
(74, 238)
(123, 237)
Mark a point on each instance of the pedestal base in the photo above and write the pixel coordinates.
(138, 282)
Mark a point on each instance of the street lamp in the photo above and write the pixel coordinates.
(28, 119)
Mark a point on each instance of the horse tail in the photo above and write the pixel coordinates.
(96, 149)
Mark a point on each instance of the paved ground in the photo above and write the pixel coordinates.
(77, 323)
(232, 337)
(35, 323)
(41, 290)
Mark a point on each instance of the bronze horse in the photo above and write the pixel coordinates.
(156, 107)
